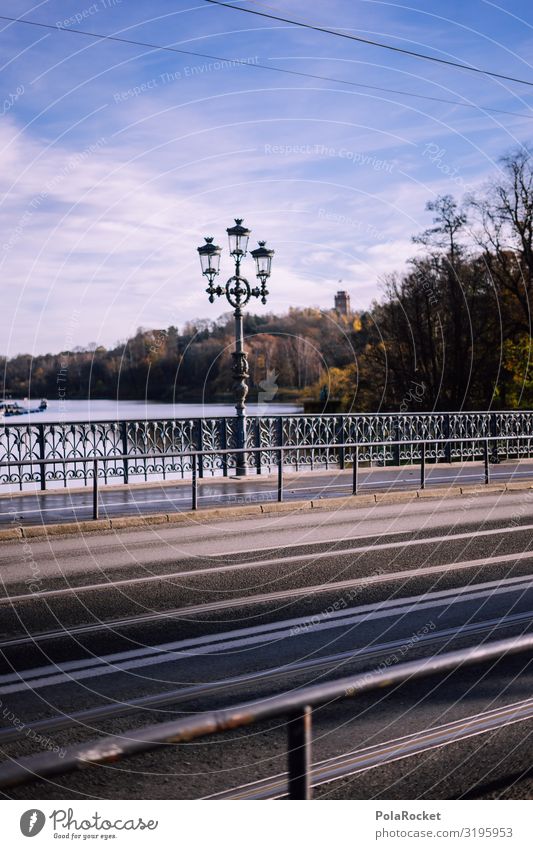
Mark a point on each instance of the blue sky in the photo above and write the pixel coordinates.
(117, 159)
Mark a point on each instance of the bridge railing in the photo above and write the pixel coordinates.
(296, 707)
(95, 465)
(39, 455)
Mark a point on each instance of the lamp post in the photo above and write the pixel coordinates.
(238, 292)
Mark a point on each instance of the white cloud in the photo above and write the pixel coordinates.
(112, 231)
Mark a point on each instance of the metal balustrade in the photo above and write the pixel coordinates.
(486, 448)
(43, 455)
(296, 707)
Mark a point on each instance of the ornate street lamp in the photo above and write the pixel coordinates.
(238, 292)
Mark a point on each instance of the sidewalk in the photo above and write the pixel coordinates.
(141, 500)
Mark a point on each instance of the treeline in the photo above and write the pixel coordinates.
(453, 331)
(287, 355)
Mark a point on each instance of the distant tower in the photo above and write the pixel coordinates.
(342, 303)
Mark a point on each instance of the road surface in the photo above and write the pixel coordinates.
(103, 634)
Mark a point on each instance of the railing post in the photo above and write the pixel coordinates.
(280, 474)
(257, 440)
(199, 442)
(224, 445)
(299, 754)
(448, 446)
(279, 433)
(339, 436)
(241, 430)
(124, 435)
(423, 466)
(194, 482)
(493, 430)
(42, 467)
(355, 469)
(396, 435)
(95, 489)
(486, 459)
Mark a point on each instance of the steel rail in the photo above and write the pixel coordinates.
(331, 586)
(362, 760)
(122, 662)
(209, 452)
(154, 701)
(251, 416)
(129, 622)
(295, 707)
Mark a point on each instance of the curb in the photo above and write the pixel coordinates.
(448, 492)
(270, 508)
(512, 487)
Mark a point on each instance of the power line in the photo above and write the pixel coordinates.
(341, 34)
(248, 64)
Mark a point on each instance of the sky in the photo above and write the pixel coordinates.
(116, 159)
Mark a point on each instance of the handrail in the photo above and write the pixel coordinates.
(197, 455)
(295, 706)
(253, 415)
(263, 449)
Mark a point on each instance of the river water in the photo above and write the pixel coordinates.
(90, 410)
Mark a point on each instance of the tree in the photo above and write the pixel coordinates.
(505, 235)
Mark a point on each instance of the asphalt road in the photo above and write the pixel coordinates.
(68, 505)
(103, 634)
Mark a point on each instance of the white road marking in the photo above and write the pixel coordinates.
(381, 578)
(321, 555)
(237, 640)
(324, 661)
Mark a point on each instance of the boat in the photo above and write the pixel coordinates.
(12, 408)
(9, 407)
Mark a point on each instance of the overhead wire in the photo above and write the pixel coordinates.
(380, 44)
(247, 63)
